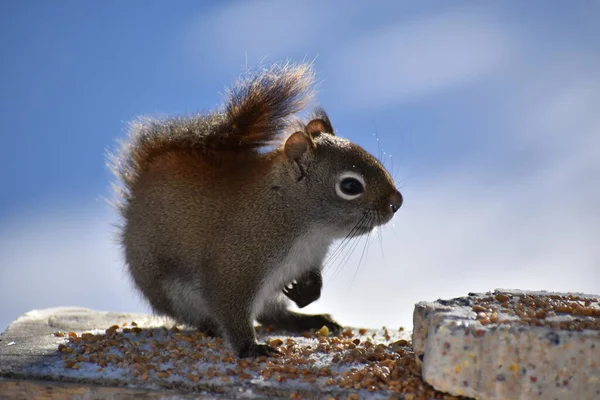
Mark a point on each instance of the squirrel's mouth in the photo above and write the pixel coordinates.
(366, 228)
(365, 224)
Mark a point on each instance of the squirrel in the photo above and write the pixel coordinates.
(225, 214)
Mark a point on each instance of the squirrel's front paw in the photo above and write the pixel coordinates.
(305, 290)
(257, 350)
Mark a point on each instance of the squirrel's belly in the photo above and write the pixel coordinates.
(306, 253)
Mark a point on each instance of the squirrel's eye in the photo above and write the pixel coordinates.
(350, 185)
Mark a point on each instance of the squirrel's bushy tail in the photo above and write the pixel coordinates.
(256, 111)
(258, 107)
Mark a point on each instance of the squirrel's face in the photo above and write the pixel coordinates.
(349, 190)
(358, 192)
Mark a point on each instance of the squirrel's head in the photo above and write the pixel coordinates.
(346, 188)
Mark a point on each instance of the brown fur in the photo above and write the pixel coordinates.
(255, 114)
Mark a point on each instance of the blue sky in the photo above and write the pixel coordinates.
(489, 111)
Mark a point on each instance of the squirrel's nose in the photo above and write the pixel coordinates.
(396, 201)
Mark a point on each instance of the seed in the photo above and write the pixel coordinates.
(502, 298)
(357, 377)
(494, 317)
(275, 342)
(324, 331)
(588, 311)
(562, 309)
(71, 364)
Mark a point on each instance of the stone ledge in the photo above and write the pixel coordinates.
(511, 344)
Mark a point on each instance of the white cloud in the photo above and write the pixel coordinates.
(407, 61)
(62, 258)
(364, 67)
(562, 120)
(251, 31)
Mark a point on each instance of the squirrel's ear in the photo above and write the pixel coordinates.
(319, 124)
(296, 145)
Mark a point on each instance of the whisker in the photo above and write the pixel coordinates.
(376, 134)
(402, 182)
(329, 261)
(362, 257)
(346, 239)
(392, 224)
(379, 227)
(346, 257)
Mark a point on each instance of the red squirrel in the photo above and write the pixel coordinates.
(222, 211)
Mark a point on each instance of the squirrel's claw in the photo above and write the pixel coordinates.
(257, 350)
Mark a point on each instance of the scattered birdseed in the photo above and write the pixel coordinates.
(538, 310)
(349, 364)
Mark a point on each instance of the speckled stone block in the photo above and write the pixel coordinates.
(511, 344)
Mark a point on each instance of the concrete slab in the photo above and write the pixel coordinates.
(27, 390)
(511, 344)
(80, 353)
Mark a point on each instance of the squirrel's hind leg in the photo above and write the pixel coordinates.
(233, 313)
(277, 315)
(189, 307)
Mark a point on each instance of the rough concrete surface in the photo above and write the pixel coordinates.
(36, 363)
(511, 344)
